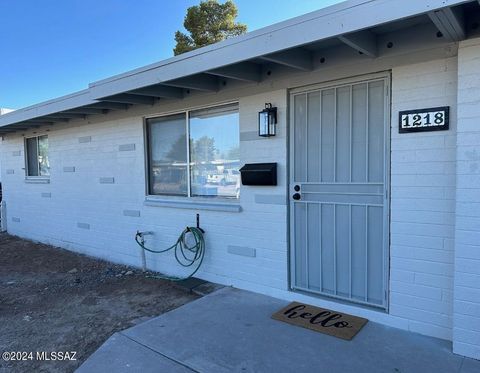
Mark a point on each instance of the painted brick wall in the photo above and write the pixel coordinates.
(423, 201)
(466, 317)
(94, 202)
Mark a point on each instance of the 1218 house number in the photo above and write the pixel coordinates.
(431, 119)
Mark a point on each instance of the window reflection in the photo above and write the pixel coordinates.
(168, 155)
(215, 152)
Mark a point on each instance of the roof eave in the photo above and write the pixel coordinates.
(347, 18)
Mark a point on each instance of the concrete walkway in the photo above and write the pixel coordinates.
(231, 331)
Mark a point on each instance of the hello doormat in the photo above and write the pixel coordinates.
(334, 323)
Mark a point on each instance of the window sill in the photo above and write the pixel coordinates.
(193, 204)
(40, 180)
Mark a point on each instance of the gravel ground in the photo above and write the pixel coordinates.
(55, 300)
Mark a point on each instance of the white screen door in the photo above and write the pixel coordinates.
(338, 190)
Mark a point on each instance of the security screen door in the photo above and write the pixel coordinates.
(338, 190)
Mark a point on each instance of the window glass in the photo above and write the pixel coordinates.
(37, 156)
(32, 156)
(43, 164)
(215, 152)
(167, 155)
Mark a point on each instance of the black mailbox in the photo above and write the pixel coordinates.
(259, 174)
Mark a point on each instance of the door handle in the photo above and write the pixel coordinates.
(296, 196)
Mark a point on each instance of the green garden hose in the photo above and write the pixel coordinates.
(185, 255)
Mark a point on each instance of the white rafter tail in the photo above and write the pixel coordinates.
(199, 82)
(159, 91)
(449, 22)
(364, 42)
(244, 71)
(126, 98)
(296, 58)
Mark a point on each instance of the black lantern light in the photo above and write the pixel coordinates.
(267, 121)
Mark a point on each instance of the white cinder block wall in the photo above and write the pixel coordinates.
(95, 200)
(466, 317)
(423, 201)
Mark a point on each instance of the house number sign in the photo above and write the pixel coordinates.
(432, 119)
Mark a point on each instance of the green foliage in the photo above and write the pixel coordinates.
(208, 23)
(177, 151)
(204, 149)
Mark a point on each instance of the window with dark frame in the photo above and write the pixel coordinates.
(36, 156)
(204, 166)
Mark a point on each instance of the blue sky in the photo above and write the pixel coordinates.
(51, 48)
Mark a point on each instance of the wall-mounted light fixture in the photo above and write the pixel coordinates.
(267, 121)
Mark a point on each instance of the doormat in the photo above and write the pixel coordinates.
(333, 323)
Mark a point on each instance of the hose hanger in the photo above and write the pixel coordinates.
(185, 255)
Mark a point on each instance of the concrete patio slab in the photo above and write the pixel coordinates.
(121, 354)
(231, 331)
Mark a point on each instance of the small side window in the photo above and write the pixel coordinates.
(36, 151)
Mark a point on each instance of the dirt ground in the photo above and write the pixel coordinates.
(55, 300)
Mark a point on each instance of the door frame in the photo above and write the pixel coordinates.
(387, 76)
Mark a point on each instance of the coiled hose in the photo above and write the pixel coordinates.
(185, 255)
